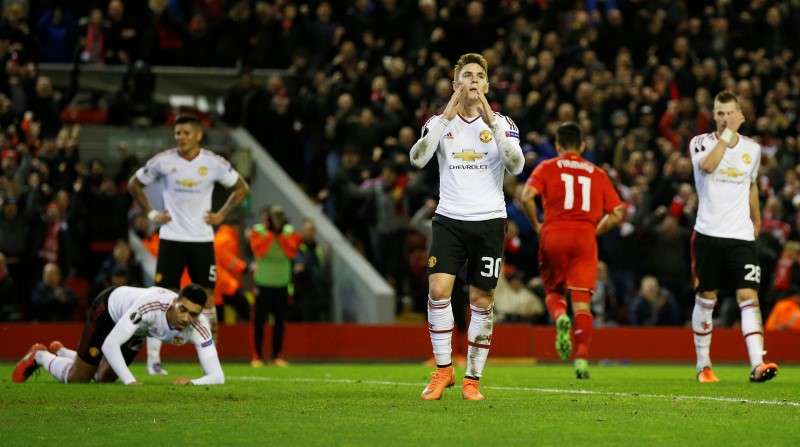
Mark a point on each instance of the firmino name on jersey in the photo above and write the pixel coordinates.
(573, 164)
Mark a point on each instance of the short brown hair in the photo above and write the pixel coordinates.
(470, 58)
(726, 96)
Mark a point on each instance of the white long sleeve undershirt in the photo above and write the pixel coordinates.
(125, 329)
(511, 153)
(423, 150)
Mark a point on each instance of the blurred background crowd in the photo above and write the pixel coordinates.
(356, 80)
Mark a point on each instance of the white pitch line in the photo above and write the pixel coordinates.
(785, 403)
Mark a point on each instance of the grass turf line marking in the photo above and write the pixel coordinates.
(785, 403)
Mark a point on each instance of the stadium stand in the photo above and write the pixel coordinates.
(356, 81)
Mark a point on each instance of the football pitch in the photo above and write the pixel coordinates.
(379, 404)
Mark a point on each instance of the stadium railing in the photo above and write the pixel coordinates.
(359, 292)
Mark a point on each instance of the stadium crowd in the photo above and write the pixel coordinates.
(362, 77)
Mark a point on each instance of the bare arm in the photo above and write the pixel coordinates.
(240, 190)
(711, 161)
(755, 209)
(527, 197)
(732, 123)
(611, 220)
(136, 188)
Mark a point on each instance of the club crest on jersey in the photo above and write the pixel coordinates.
(203, 171)
(486, 136)
(469, 154)
(746, 159)
(431, 262)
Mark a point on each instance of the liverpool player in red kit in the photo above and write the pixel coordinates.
(579, 203)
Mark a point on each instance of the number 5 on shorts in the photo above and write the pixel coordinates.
(491, 266)
(212, 273)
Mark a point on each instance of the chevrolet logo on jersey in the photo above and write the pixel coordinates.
(187, 183)
(469, 155)
(731, 172)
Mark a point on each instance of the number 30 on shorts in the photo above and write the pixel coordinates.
(491, 267)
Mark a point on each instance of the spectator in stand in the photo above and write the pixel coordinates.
(514, 302)
(56, 34)
(310, 282)
(10, 302)
(52, 301)
(122, 257)
(122, 43)
(654, 306)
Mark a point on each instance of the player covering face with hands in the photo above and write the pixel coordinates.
(724, 252)
(475, 147)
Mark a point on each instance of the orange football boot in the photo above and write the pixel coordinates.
(470, 390)
(55, 346)
(706, 375)
(763, 372)
(27, 365)
(440, 379)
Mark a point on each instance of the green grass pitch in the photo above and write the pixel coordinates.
(379, 405)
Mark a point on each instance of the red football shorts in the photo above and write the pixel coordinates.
(568, 258)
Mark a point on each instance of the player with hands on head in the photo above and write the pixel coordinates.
(188, 174)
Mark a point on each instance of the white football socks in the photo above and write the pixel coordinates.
(153, 351)
(752, 331)
(702, 325)
(479, 338)
(66, 352)
(58, 367)
(440, 325)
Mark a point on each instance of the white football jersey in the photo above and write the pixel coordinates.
(471, 168)
(724, 195)
(147, 309)
(187, 189)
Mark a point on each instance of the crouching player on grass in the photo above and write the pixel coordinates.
(116, 326)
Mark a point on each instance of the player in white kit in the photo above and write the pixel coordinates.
(724, 253)
(116, 325)
(187, 174)
(474, 147)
